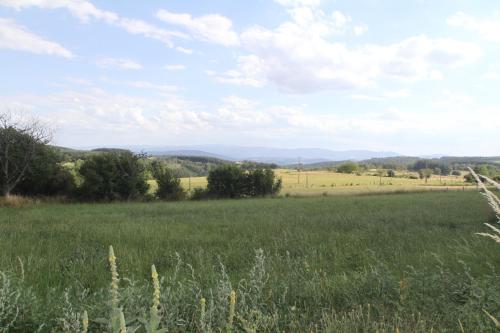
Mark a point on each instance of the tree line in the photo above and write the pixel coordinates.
(30, 167)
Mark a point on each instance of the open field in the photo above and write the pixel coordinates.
(319, 182)
(410, 261)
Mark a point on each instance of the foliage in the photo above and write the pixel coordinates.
(226, 181)
(169, 186)
(444, 169)
(261, 182)
(20, 140)
(303, 277)
(46, 176)
(113, 176)
(348, 167)
(230, 181)
(391, 173)
(425, 174)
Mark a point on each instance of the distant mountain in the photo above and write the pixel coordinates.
(281, 156)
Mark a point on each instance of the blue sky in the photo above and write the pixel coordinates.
(415, 77)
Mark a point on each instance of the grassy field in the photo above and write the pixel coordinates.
(333, 264)
(319, 182)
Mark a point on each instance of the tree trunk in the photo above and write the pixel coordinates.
(6, 191)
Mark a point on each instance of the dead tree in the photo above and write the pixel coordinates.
(19, 141)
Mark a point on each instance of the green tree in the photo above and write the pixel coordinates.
(113, 176)
(46, 175)
(391, 173)
(226, 181)
(348, 167)
(230, 181)
(169, 186)
(425, 174)
(261, 182)
(20, 140)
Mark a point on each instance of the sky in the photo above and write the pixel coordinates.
(415, 77)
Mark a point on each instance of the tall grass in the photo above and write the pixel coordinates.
(494, 202)
(407, 262)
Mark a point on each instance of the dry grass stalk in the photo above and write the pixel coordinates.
(491, 181)
(493, 201)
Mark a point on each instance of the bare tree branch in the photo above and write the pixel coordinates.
(19, 139)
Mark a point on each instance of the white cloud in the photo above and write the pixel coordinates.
(299, 3)
(164, 89)
(16, 37)
(389, 94)
(488, 29)
(360, 29)
(184, 50)
(299, 57)
(250, 72)
(491, 75)
(117, 63)
(450, 100)
(176, 67)
(212, 28)
(97, 117)
(85, 11)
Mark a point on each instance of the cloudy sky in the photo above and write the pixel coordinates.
(415, 76)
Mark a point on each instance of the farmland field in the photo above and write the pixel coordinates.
(342, 263)
(319, 182)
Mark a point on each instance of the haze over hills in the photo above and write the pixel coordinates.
(281, 156)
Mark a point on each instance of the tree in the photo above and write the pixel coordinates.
(226, 181)
(261, 182)
(20, 139)
(169, 186)
(113, 176)
(230, 181)
(46, 175)
(425, 174)
(391, 173)
(348, 167)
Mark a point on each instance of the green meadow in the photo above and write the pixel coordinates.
(357, 263)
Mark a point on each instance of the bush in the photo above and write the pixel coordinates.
(348, 167)
(199, 194)
(169, 186)
(226, 182)
(46, 176)
(113, 176)
(259, 183)
(229, 181)
(391, 173)
(456, 173)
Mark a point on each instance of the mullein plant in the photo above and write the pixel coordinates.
(203, 316)
(494, 202)
(154, 319)
(116, 313)
(232, 308)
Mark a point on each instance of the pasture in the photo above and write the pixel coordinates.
(342, 263)
(310, 183)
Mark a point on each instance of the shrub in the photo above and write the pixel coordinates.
(261, 182)
(391, 173)
(229, 181)
(199, 194)
(456, 173)
(348, 167)
(113, 176)
(169, 186)
(45, 175)
(226, 181)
